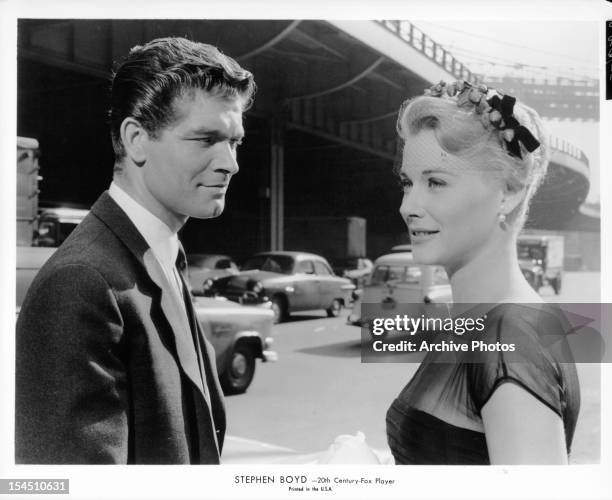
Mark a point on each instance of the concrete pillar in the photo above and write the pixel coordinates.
(277, 171)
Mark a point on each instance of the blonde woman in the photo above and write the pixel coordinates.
(472, 161)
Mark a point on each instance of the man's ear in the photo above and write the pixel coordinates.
(133, 136)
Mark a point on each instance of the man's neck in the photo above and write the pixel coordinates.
(144, 199)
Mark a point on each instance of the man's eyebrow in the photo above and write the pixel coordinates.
(213, 133)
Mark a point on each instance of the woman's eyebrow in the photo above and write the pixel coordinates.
(437, 171)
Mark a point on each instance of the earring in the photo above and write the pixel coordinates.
(501, 218)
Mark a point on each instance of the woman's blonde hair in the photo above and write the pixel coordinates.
(460, 131)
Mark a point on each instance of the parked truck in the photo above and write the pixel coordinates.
(541, 260)
(335, 238)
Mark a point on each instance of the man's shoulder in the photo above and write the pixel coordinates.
(91, 245)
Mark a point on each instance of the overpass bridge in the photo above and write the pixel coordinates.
(321, 135)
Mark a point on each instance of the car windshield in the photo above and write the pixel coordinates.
(274, 263)
(526, 251)
(395, 273)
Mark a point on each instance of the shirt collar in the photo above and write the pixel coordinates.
(163, 242)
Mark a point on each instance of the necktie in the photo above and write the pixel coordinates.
(203, 363)
(181, 265)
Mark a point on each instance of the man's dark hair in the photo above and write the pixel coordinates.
(146, 83)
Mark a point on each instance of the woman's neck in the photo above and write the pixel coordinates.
(493, 276)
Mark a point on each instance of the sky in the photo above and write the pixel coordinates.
(538, 49)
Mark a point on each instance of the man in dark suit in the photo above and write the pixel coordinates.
(112, 365)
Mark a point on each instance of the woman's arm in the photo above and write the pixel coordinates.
(520, 429)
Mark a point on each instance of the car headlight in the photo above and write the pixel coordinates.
(254, 286)
(207, 285)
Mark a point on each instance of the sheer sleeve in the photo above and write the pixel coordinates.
(529, 362)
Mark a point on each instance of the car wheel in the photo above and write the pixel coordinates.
(334, 310)
(240, 370)
(279, 308)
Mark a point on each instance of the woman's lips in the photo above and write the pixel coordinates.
(421, 235)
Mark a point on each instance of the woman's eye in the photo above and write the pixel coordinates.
(435, 183)
(405, 183)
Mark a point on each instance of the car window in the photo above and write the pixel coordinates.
(225, 264)
(413, 275)
(379, 275)
(322, 270)
(305, 267)
(273, 263)
(396, 273)
(439, 276)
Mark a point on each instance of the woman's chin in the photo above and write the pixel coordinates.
(423, 258)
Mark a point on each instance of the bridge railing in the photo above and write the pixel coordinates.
(434, 51)
(564, 146)
(422, 42)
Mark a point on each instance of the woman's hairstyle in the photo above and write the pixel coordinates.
(507, 140)
(146, 83)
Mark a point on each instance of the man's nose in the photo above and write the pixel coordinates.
(225, 159)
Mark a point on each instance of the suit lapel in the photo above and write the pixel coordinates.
(208, 364)
(120, 224)
(216, 393)
(175, 315)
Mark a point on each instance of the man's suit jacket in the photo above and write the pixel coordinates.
(107, 369)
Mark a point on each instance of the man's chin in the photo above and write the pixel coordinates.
(213, 210)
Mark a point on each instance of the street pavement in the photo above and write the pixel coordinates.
(319, 389)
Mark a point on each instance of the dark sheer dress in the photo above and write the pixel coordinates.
(436, 418)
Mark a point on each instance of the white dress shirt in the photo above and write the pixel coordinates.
(163, 242)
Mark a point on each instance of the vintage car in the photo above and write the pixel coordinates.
(292, 281)
(397, 280)
(357, 269)
(541, 260)
(203, 267)
(239, 334)
(56, 224)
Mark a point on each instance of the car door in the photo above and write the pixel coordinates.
(306, 287)
(329, 286)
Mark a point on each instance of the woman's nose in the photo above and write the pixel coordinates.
(411, 206)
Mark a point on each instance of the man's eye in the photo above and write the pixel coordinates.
(435, 183)
(235, 143)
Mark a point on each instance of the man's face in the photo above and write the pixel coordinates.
(189, 165)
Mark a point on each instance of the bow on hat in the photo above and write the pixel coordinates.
(518, 134)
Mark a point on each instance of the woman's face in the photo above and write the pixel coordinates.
(450, 207)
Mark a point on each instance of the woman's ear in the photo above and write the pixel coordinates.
(133, 136)
(512, 198)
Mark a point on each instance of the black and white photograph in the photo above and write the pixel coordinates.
(220, 215)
